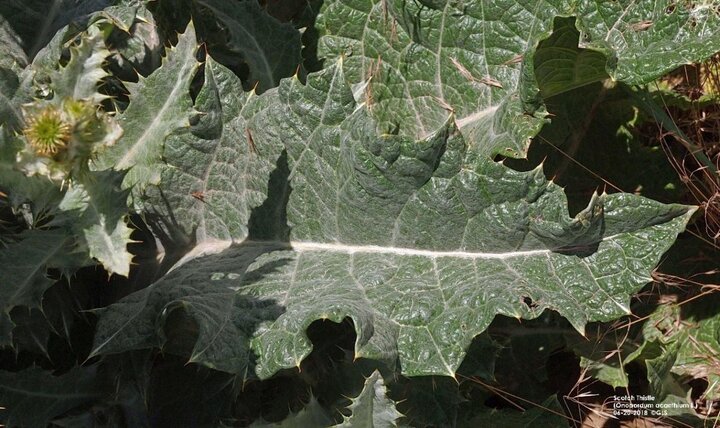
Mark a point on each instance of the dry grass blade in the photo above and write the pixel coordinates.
(699, 167)
(509, 397)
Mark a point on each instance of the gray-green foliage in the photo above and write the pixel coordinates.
(216, 161)
(312, 414)
(36, 21)
(367, 191)
(421, 243)
(372, 408)
(162, 106)
(423, 60)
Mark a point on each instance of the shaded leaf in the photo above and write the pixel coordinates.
(312, 415)
(271, 49)
(31, 332)
(33, 397)
(25, 266)
(224, 320)
(36, 21)
(560, 65)
(548, 414)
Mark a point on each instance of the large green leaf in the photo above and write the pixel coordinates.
(214, 174)
(24, 271)
(415, 63)
(421, 243)
(646, 39)
(160, 105)
(422, 61)
(33, 397)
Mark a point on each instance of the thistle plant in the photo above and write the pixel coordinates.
(47, 133)
(319, 220)
(62, 138)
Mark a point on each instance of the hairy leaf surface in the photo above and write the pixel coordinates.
(80, 77)
(647, 39)
(421, 243)
(372, 408)
(36, 21)
(161, 105)
(215, 173)
(414, 63)
(100, 206)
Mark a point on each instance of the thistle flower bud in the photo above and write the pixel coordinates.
(47, 132)
(63, 137)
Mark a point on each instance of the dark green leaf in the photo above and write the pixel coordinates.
(33, 397)
(271, 49)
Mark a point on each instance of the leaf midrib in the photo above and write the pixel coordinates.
(217, 246)
(127, 160)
